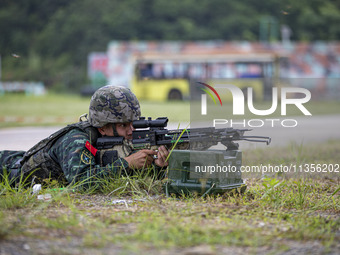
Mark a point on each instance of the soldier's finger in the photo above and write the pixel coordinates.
(161, 155)
(149, 159)
(164, 150)
(150, 152)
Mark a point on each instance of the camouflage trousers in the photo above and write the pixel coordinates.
(10, 162)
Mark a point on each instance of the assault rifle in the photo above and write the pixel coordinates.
(153, 133)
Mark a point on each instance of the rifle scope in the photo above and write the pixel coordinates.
(160, 122)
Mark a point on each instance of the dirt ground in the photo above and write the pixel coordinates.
(58, 241)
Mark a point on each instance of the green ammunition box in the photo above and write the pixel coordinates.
(204, 172)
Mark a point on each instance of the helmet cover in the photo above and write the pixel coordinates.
(112, 104)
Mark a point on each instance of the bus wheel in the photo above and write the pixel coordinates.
(175, 94)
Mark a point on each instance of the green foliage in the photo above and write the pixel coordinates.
(53, 38)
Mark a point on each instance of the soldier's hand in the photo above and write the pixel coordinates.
(162, 154)
(140, 159)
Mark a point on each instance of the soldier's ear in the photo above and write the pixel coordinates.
(102, 130)
(106, 130)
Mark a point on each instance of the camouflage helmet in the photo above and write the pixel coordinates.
(112, 104)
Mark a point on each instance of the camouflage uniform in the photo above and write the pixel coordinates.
(65, 156)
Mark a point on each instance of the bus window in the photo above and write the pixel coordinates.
(145, 71)
(250, 70)
(158, 71)
(268, 70)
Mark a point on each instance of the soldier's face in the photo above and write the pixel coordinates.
(124, 129)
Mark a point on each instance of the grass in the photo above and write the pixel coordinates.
(275, 214)
(56, 109)
(297, 154)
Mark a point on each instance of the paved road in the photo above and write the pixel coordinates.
(314, 129)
